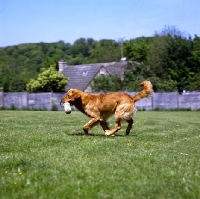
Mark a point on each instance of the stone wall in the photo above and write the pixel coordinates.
(169, 100)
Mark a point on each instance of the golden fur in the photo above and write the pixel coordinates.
(99, 107)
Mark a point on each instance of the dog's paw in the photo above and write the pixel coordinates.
(109, 133)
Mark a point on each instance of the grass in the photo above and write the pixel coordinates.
(46, 155)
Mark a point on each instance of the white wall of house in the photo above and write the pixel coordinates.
(102, 71)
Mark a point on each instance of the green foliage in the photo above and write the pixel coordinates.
(27, 60)
(196, 47)
(170, 59)
(4, 79)
(48, 80)
(158, 56)
(163, 59)
(137, 49)
(80, 46)
(160, 85)
(179, 51)
(17, 84)
(43, 157)
(105, 51)
(170, 31)
(195, 82)
(107, 83)
(79, 59)
(135, 73)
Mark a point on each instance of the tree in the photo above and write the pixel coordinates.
(4, 79)
(194, 79)
(105, 51)
(134, 73)
(159, 56)
(137, 49)
(47, 81)
(170, 59)
(170, 31)
(179, 65)
(17, 84)
(107, 83)
(80, 46)
(195, 82)
(104, 54)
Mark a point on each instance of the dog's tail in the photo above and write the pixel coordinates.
(146, 92)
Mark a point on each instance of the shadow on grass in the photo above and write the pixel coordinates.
(98, 135)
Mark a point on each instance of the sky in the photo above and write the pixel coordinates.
(35, 21)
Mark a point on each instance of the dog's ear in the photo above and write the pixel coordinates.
(75, 94)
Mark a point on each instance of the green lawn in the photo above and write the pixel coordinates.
(45, 155)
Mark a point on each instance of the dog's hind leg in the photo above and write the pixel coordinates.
(104, 125)
(129, 127)
(117, 127)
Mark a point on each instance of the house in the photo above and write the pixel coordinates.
(81, 76)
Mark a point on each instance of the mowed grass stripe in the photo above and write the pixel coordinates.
(46, 155)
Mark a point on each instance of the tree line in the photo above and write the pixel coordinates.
(170, 59)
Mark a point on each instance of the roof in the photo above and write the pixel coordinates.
(80, 76)
(117, 68)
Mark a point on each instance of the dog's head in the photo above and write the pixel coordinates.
(69, 99)
(71, 96)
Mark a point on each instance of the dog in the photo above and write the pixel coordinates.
(99, 107)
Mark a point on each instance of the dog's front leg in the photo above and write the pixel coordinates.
(89, 125)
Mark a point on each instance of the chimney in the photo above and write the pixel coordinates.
(62, 64)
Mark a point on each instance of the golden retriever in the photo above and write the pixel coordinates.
(99, 107)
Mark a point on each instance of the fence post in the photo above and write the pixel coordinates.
(152, 103)
(177, 100)
(27, 100)
(2, 98)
